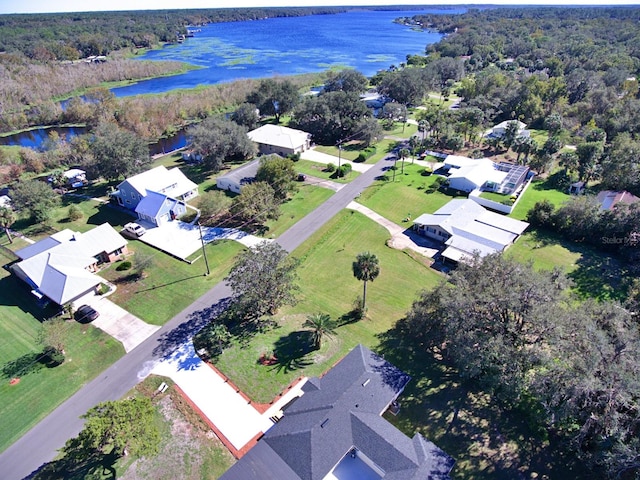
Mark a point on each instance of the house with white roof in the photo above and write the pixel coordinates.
(500, 129)
(468, 174)
(171, 183)
(61, 268)
(281, 140)
(466, 228)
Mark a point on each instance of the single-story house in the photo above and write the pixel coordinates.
(336, 430)
(157, 208)
(236, 178)
(172, 183)
(500, 129)
(468, 174)
(62, 266)
(465, 228)
(609, 199)
(281, 140)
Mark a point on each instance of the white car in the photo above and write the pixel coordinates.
(134, 230)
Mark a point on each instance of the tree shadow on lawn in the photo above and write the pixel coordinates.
(172, 340)
(600, 276)
(78, 464)
(292, 351)
(112, 214)
(486, 439)
(23, 365)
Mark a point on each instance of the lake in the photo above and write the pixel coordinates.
(366, 40)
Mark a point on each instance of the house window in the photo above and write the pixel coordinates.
(133, 195)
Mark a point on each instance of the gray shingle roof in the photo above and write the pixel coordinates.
(338, 412)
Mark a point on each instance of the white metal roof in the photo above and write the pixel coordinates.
(473, 228)
(279, 136)
(60, 271)
(172, 183)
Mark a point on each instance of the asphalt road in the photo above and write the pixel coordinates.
(41, 444)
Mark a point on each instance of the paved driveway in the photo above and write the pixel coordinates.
(117, 322)
(401, 237)
(233, 416)
(319, 157)
(182, 239)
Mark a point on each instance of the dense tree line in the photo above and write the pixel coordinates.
(520, 334)
(571, 71)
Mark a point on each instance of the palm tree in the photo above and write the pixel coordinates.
(423, 126)
(404, 153)
(322, 325)
(7, 218)
(366, 268)
(218, 336)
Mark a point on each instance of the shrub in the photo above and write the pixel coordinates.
(74, 213)
(103, 288)
(342, 171)
(126, 265)
(294, 157)
(52, 357)
(366, 153)
(330, 167)
(425, 172)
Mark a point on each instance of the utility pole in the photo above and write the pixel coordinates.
(204, 252)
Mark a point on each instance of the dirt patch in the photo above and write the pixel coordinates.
(190, 450)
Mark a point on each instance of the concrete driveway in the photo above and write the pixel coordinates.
(401, 237)
(117, 322)
(319, 157)
(182, 239)
(233, 416)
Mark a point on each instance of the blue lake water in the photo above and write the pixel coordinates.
(363, 39)
(366, 40)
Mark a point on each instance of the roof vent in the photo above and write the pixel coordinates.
(366, 382)
(323, 424)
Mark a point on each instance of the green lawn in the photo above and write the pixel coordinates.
(41, 389)
(497, 197)
(401, 130)
(595, 274)
(406, 196)
(540, 136)
(346, 153)
(327, 285)
(538, 190)
(319, 170)
(487, 441)
(169, 285)
(307, 199)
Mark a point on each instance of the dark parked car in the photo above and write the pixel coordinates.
(301, 177)
(85, 314)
